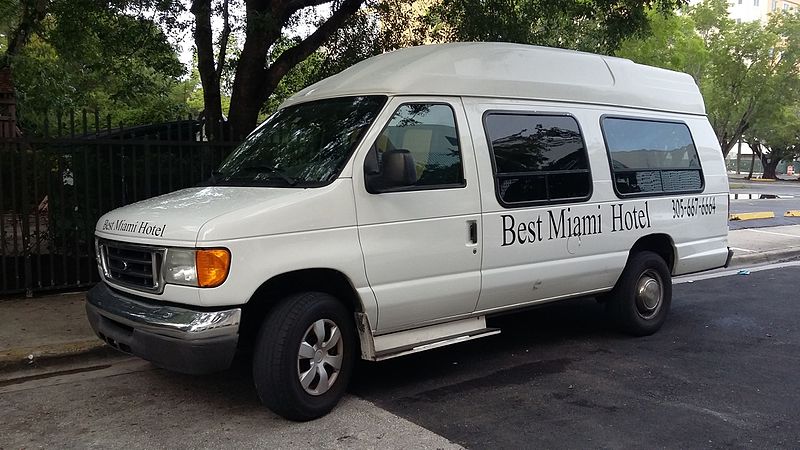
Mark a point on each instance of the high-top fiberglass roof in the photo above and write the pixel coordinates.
(490, 69)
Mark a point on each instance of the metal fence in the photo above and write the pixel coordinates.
(54, 187)
(785, 167)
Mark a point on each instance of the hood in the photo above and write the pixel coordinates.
(227, 212)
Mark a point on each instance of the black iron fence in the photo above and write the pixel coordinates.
(55, 186)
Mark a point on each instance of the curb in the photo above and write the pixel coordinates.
(774, 256)
(792, 213)
(16, 358)
(752, 215)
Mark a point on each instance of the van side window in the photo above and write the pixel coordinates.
(538, 158)
(424, 138)
(651, 157)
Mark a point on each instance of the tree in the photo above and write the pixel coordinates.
(748, 72)
(776, 137)
(673, 43)
(753, 72)
(84, 53)
(352, 32)
(591, 25)
(256, 74)
(19, 19)
(210, 71)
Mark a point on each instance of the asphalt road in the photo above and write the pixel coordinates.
(126, 403)
(789, 199)
(722, 372)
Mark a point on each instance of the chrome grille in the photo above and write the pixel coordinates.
(131, 265)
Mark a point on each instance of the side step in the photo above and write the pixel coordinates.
(387, 346)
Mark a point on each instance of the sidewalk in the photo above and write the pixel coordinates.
(48, 327)
(44, 328)
(764, 245)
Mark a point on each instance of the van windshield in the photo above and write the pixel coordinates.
(304, 145)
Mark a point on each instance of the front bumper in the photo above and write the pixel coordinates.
(175, 338)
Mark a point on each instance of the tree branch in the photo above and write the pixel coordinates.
(296, 5)
(33, 12)
(294, 55)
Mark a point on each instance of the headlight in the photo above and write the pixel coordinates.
(180, 267)
(202, 267)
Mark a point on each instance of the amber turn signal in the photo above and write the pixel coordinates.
(212, 266)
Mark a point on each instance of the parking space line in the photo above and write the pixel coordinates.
(772, 232)
(743, 250)
(726, 273)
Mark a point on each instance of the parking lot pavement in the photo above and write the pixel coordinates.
(129, 404)
(722, 372)
(761, 245)
(773, 197)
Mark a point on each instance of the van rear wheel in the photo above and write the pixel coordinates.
(640, 301)
(304, 356)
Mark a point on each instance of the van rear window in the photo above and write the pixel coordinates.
(651, 157)
(538, 158)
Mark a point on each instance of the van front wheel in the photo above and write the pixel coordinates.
(304, 356)
(640, 301)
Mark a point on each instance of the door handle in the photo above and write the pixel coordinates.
(472, 226)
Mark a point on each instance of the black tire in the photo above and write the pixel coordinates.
(277, 363)
(640, 301)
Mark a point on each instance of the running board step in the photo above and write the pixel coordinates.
(394, 353)
(385, 346)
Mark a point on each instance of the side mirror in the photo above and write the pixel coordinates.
(396, 170)
(371, 164)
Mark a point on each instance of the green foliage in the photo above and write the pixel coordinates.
(748, 72)
(752, 72)
(780, 131)
(8, 12)
(88, 54)
(300, 76)
(590, 25)
(373, 30)
(672, 44)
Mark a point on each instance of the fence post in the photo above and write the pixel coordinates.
(24, 212)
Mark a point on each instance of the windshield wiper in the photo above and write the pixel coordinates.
(269, 169)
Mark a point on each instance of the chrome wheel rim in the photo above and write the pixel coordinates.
(319, 357)
(649, 294)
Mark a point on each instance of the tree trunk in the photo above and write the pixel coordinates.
(255, 79)
(263, 30)
(31, 15)
(203, 38)
(769, 167)
(752, 164)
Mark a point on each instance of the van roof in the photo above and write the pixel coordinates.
(493, 69)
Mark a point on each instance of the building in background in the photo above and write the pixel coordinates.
(751, 10)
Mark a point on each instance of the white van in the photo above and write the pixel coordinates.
(395, 206)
